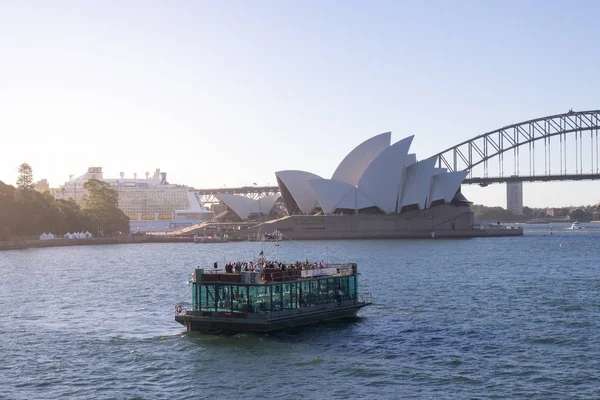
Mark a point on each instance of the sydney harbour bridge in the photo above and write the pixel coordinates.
(562, 147)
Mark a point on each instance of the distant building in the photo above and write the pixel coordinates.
(41, 185)
(558, 212)
(151, 203)
(514, 197)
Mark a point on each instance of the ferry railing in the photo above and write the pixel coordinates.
(269, 275)
(213, 271)
(182, 308)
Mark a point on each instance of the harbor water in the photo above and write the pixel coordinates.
(506, 318)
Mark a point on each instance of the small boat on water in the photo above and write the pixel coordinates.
(576, 225)
(270, 296)
(210, 239)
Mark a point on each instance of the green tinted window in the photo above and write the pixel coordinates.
(276, 297)
(239, 298)
(223, 297)
(352, 286)
(208, 298)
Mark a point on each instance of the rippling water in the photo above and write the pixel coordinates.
(479, 318)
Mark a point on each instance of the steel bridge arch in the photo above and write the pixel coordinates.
(492, 144)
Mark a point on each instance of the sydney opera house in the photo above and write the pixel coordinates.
(379, 190)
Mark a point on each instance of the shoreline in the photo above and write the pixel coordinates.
(442, 234)
(36, 244)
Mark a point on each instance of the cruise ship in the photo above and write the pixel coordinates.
(151, 203)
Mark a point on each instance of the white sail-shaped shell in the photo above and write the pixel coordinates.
(332, 194)
(417, 183)
(382, 180)
(243, 206)
(295, 188)
(445, 185)
(356, 162)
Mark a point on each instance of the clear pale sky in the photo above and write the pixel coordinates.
(226, 93)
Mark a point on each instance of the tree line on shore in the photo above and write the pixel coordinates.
(493, 214)
(26, 212)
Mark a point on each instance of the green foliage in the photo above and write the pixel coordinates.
(101, 208)
(25, 179)
(581, 215)
(25, 212)
(75, 220)
(494, 214)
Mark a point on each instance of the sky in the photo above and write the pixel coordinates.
(227, 93)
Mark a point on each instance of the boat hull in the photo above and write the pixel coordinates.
(210, 322)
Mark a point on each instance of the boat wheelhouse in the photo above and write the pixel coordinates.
(271, 299)
(576, 225)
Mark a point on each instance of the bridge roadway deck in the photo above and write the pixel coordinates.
(541, 178)
(239, 190)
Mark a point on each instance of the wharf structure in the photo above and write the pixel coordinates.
(377, 191)
(151, 203)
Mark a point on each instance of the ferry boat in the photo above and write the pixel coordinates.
(272, 298)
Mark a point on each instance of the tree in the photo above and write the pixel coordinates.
(8, 210)
(36, 213)
(580, 215)
(25, 179)
(28, 213)
(75, 221)
(101, 207)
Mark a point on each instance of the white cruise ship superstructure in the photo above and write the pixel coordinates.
(151, 203)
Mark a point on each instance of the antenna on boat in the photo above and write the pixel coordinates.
(327, 254)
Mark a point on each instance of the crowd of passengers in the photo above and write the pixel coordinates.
(260, 266)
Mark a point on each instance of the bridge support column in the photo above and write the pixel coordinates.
(514, 197)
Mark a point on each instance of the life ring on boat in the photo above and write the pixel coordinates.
(179, 309)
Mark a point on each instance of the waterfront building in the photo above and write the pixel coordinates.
(556, 212)
(151, 203)
(379, 190)
(514, 197)
(374, 178)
